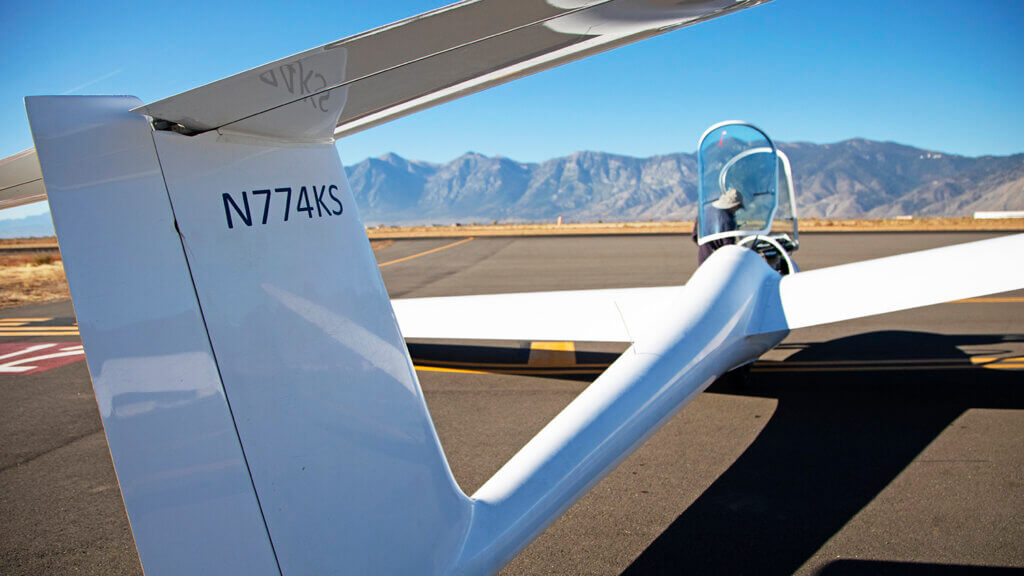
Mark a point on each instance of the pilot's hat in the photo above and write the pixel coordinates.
(729, 200)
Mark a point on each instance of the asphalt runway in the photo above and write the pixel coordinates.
(892, 444)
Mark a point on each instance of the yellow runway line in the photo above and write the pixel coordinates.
(452, 370)
(547, 372)
(552, 354)
(560, 346)
(37, 328)
(455, 364)
(1008, 363)
(523, 371)
(431, 251)
(11, 327)
(3, 320)
(10, 334)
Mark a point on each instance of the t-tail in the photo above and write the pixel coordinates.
(261, 408)
(262, 411)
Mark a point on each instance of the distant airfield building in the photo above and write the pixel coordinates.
(998, 215)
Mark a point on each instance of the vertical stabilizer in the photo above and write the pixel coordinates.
(178, 460)
(341, 449)
(260, 405)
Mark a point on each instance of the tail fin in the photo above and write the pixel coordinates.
(260, 405)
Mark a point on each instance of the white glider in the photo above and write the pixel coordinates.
(260, 405)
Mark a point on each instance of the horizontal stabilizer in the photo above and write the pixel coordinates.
(21, 182)
(377, 76)
(398, 69)
(902, 282)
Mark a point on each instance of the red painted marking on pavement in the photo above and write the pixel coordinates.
(36, 357)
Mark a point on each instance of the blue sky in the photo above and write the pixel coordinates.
(941, 75)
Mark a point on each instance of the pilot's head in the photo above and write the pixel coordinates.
(730, 200)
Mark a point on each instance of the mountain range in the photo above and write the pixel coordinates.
(851, 179)
(34, 226)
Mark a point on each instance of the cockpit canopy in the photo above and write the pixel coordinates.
(738, 182)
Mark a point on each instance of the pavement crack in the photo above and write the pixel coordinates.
(35, 457)
(434, 279)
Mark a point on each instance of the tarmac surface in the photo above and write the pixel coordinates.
(892, 444)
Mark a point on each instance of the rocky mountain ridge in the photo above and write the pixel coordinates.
(851, 179)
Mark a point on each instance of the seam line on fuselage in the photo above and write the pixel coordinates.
(213, 354)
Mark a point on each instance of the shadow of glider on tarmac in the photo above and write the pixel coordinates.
(835, 441)
(852, 414)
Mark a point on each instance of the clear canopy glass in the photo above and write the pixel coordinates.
(737, 189)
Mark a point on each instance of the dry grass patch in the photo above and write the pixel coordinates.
(45, 243)
(31, 270)
(27, 283)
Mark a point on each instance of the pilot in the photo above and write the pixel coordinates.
(721, 217)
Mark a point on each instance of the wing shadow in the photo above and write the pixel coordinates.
(852, 414)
